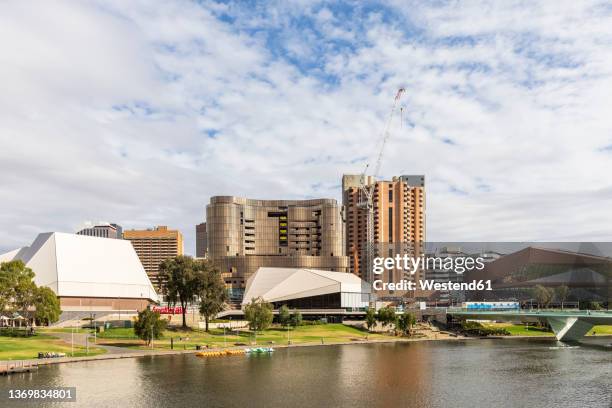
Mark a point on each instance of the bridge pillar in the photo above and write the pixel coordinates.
(569, 328)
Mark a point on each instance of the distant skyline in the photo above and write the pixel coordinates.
(137, 113)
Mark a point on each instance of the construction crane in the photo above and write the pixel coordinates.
(366, 188)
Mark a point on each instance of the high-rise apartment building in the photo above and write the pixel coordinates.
(201, 240)
(245, 234)
(153, 246)
(102, 230)
(399, 216)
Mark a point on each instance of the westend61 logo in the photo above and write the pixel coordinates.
(409, 264)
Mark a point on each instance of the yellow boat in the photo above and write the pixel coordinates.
(220, 353)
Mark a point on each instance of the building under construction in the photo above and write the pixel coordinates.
(399, 216)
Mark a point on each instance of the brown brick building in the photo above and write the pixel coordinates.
(153, 246)
(399, 216)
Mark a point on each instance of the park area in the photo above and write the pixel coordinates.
(21, 347)
(190, 338)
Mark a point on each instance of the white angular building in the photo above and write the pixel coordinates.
(308, 289)
(88, 273)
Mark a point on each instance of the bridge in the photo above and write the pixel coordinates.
(567, 325)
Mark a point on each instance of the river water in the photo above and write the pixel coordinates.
(475, 373)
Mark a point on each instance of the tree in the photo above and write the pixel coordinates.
(370, 318)
(405, 322)
(47, 306)
(149, 325)
(7, 284)
(180, 281)
(561, 292)
(259, 314)
(17, 287)
(211, 290)
(386, 316)
(284, 316)
(296, 318)
(542, 295)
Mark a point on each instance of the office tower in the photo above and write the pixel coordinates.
(102, 230)
(399, 216)
(153, 246)
(201, 240)
(437, 273)
(245, 234)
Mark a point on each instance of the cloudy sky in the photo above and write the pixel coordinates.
(138, 112)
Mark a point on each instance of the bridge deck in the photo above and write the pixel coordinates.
(567, 325)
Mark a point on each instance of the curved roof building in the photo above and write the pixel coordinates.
(308, 288)
(87, 272)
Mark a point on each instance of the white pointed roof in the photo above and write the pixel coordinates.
(84, 266)
(278, 284)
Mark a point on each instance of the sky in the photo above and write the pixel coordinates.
(138, 112)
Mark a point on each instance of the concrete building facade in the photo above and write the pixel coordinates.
(245, 234)
(201, 240)
(153, 246)
(399, 216)
(102, 230)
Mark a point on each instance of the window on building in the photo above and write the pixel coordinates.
(390, 224)
(390, 196)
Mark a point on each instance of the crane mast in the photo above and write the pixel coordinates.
(366, 189)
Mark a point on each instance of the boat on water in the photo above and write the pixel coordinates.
(218, 353)
(259, 350)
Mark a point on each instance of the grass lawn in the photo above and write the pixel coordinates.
(330, 333)
(521, 330)
(602, 330)
(22, 348)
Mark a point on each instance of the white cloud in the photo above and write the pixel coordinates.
(137, 114)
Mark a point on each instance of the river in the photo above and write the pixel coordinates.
(474, 373)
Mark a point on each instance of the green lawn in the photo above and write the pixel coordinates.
(521, 330)
(22, 348)
(330, 333)
(602, 330)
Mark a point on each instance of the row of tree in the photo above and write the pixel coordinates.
(388, 318)
(19, 294)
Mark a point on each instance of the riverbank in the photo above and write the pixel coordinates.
(6, 365)
(333, 376)
(124, 346)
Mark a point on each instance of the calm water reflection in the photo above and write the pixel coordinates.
(481, 373)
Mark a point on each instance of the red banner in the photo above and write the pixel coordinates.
(168, 310)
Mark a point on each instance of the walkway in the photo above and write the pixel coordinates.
(80, 339)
